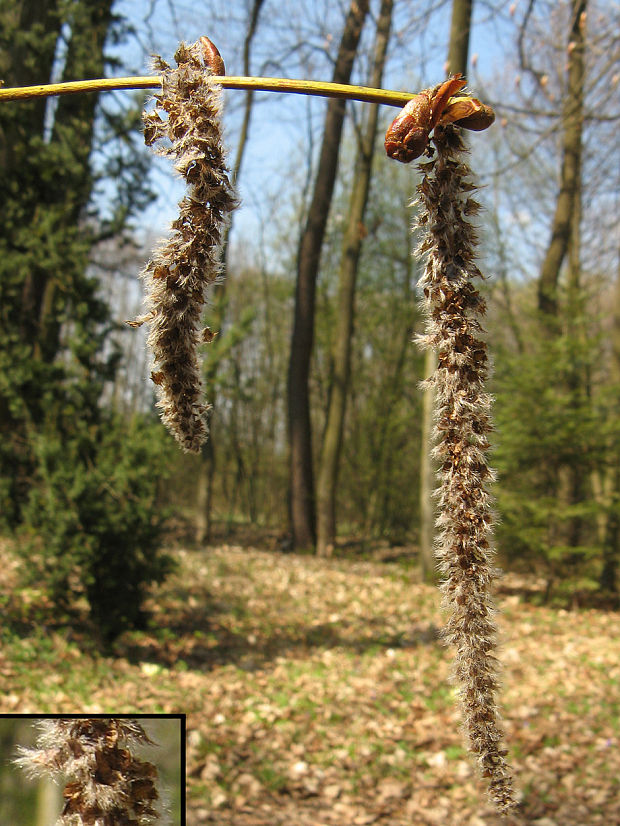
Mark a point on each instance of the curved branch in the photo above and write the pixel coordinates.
(264, 84)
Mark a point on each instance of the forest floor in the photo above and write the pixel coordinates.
(318, 692)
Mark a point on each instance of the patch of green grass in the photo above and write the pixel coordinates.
(405, 691)
(382, 706)
(516, 750)
(271, 778)
(43, 661)
(199, 791)
(306, 705)
(208, 747)
(579, 707)
(39, 647)
(223, 569)
(614, 722)
(402, 577)
(440, 697)
(312, 668)
(373, 650)
(282, 699)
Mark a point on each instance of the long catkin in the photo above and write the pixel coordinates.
(185, 126)
(462, 424)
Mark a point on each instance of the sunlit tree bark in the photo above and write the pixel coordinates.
(341, 349)
(302, 501)
(204, 494)
(570, 177)
(611, 542)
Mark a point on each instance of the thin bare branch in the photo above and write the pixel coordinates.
(388, 97)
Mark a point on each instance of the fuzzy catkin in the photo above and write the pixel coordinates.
(186, 120)
(106, 785)
(462, 424)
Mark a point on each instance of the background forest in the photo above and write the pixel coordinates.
(319, 428)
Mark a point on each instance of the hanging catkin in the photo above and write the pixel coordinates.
(186, 126)
(465, 520)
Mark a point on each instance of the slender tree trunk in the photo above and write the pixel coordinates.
(23, 19)
(570, 179)
(578, 380)
(349, 262)
(74, 121)
(392, 388)
(460, 28)
(427, 477)
(608, 580)
(49, 802)
(31, 27)
(611, 547)
(458, 53)
(84, 60)
(502, 269)
(564, 245)
(204, 494)
(247, 115)
(302, 505)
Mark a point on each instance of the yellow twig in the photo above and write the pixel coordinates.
(266, 84)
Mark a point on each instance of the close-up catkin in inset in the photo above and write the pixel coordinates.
(464, 549)
(187, 123)
(105, 783)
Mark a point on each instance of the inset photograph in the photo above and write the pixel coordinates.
(80, 771)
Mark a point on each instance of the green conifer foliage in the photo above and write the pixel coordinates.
(75, 480)
(94, 523)
(555, 426)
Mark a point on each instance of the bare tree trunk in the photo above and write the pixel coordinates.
(460, 27)
(22, 21)
(427, 476)
(341, 352)
(458, 52)
(578, 380)
(570, 183)
(204, 493)
(564, 244)
(247, 115)
(75, 115)
(49, 802)
(611, 547)
(392, 388)
(302, 505)
(42, 17)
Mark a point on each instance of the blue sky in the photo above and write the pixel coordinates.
(280, 125)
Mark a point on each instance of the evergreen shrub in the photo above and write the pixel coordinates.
(93, 521)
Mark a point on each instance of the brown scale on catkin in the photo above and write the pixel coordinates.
(463, 422)
(186, 119)
(106, 785)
